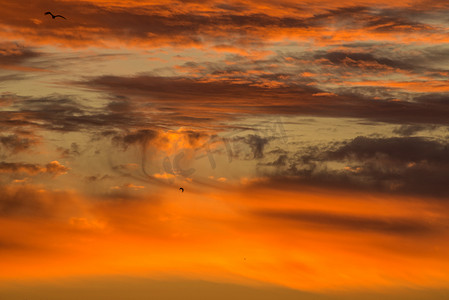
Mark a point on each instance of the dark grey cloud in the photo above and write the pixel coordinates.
(176, 88)
(140, 137)
(257, 144)
(397, 23)
(19, 167)
(65, 114)
(366, 59)
(402, 150)
(14, 54)
(251, 146)
(97, 178)
(183, 96)
(376, 19)
(403, 165)
(73, 151)
(16, 143)
(355, 58)
(354, 11)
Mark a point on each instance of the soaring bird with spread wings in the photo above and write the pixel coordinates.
(54, 16)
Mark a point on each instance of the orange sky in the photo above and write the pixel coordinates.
(310, 138)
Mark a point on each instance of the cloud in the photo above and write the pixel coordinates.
(186, 24)
(53, 168)
(16, 143)
(20, 168)
(14, 54)
(400, 165)
(73, 151)
(281, 161)
(332, 221)
(408, 130)
(140, 137)
(97, 178)
(396, 20)
(129, 186)
(184, 100)
(217, 67)
(363, 60)
(403, 150)
(63, 114)
(256, 144)
(31, 201)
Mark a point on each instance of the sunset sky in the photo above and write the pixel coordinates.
(310, 137)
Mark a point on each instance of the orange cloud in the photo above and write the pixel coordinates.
(149, 24)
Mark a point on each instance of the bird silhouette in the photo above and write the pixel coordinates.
(182, 189)
(54, 16)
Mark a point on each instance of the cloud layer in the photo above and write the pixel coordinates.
(310, 140)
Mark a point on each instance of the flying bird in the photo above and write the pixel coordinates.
(53, 16)
(182, 189)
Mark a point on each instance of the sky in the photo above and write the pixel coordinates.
(310, 138)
